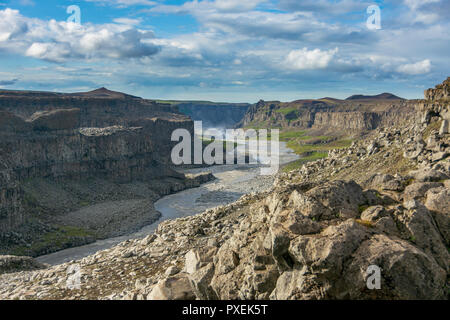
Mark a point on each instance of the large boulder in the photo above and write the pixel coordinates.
(177, 287)
(385, 182)
(438, 201)
(429, 175)
(418, 221)
(419, 189)
(201, 283)
(198, 258)
(406, 272)
(342, 197)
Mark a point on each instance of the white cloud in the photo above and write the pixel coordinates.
(237, 5)
(305, 59)
(415, 4)
(128, 21)
(420, 67)
(205, 6)
(426, 18)
(58, 41)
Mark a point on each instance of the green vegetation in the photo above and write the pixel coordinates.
(60, 238)
(362, 208)
(299, 163)
(287, 111)
(303, 148)
(310, 147)
(365, 223)
(435, 126)
(288, 135)
(84, 203)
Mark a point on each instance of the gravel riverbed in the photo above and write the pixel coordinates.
(232, 182)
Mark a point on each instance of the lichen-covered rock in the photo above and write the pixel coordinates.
(343, 198)
(429, 175)
(386, 182)
(418, 190)
(406, 272)
(438, 201)
(419, 222)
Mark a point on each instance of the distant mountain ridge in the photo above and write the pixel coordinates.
(97, 93)
(382, 96)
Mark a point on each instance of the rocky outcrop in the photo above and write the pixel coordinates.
(440, 92)
(268, 246)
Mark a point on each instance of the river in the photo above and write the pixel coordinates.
(232, 181)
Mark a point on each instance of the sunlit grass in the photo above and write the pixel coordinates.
(295, 165)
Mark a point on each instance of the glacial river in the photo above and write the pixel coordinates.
(232, 181)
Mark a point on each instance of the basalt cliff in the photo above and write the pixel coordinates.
(356, 113)
(319, 233)
(84, 166)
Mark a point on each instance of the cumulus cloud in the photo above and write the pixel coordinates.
(305, 59)
(58, 41)
(417, 68)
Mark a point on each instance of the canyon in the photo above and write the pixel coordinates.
(65, 155)
(383, 200)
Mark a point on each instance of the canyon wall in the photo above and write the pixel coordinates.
(58, 139)
(352, 115)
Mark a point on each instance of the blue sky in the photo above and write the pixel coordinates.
(225, 50)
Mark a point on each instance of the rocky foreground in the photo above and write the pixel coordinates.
(382, 202)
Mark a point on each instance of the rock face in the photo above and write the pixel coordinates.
(370, 225)
(441, 91)
(347, 115)
(98, 108)
(64, 119)
(57, 146)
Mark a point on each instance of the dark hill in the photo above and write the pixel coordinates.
(383, 96)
